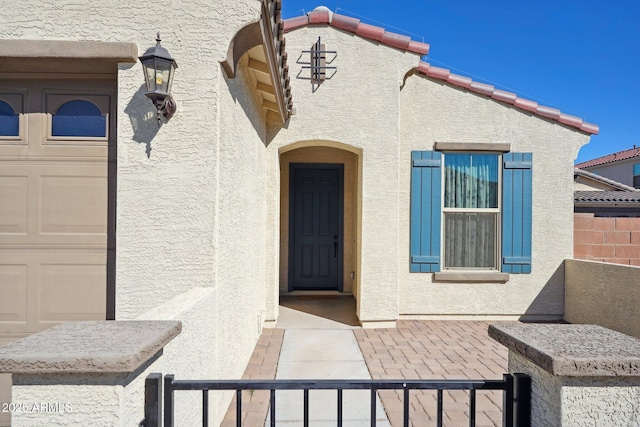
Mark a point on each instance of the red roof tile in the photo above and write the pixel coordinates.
(610, 158)
(370, 32)
(319, 17)
(353, 25)
(507, 97)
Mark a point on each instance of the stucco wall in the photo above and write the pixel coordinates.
(167, 176)
(241, 221)
(586, 401)
(194, 354)
(434, 112)
(357, 109)
(603, 294)
(190, 193)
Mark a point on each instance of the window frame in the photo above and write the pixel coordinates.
(56, 99)
(16, 99)
(497, 211)
(516, 216)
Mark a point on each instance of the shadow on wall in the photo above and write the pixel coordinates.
(143, 118)
(548, 305)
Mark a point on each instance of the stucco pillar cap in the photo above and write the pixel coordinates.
(572, 350)
(88, 347)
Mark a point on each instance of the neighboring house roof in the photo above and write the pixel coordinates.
(615, 185)
(610, 158)
(607, 197)
(507, 97)
(323, 16)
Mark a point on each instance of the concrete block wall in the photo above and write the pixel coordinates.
(613, 240)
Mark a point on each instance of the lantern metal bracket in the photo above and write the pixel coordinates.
(319, 67)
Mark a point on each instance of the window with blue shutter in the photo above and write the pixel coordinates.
(426, 211)
(517, 210)
(472, 237)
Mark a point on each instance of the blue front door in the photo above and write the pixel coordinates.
(315, 226)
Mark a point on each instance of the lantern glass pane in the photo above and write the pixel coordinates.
(148, 69)
(162, 75)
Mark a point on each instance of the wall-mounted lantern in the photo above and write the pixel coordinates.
(158, 67)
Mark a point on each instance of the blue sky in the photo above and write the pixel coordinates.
(582, 57)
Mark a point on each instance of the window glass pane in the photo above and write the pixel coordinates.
(79, 118)
(471, 180)
(636, 169)
(470, 240)
(9, 121)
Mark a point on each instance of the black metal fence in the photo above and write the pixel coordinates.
(516, 389)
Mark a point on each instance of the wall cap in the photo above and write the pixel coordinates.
(572, 350)
(504, 147)
(114, 51)
(88, 347)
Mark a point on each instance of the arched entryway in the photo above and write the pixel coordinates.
(319, 219)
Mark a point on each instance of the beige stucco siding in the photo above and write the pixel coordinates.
(357, 109)
(190, 194)
(241, 223)
(432, 111)
(166, 218)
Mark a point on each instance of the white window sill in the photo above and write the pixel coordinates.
(471, 277)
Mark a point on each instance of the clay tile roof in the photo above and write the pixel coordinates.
(610, 158)
(354, 26)
(507, 97)
(607, 197)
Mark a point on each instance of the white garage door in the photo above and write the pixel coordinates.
(56, 137)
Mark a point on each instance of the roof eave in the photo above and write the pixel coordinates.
(427, 70)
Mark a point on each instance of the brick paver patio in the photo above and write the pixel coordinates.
(262, 366)
(436, 350)
(414, 350)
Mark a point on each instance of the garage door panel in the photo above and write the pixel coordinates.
(73, 209)
(72, 287)
(13, 205)
(63, 205)
(13, 287)
(56, 139)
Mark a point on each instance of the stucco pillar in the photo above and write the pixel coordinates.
(581, 375)
(84, 373)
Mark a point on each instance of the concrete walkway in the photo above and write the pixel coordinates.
(316, 346)
(319, 338)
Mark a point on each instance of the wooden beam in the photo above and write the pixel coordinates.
(274, 117)
(270, 106)
(258, 66)
(265, 88)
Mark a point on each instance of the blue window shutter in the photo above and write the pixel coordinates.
(425, 211)
(516, 213)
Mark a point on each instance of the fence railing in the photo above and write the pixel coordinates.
(515, 412)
